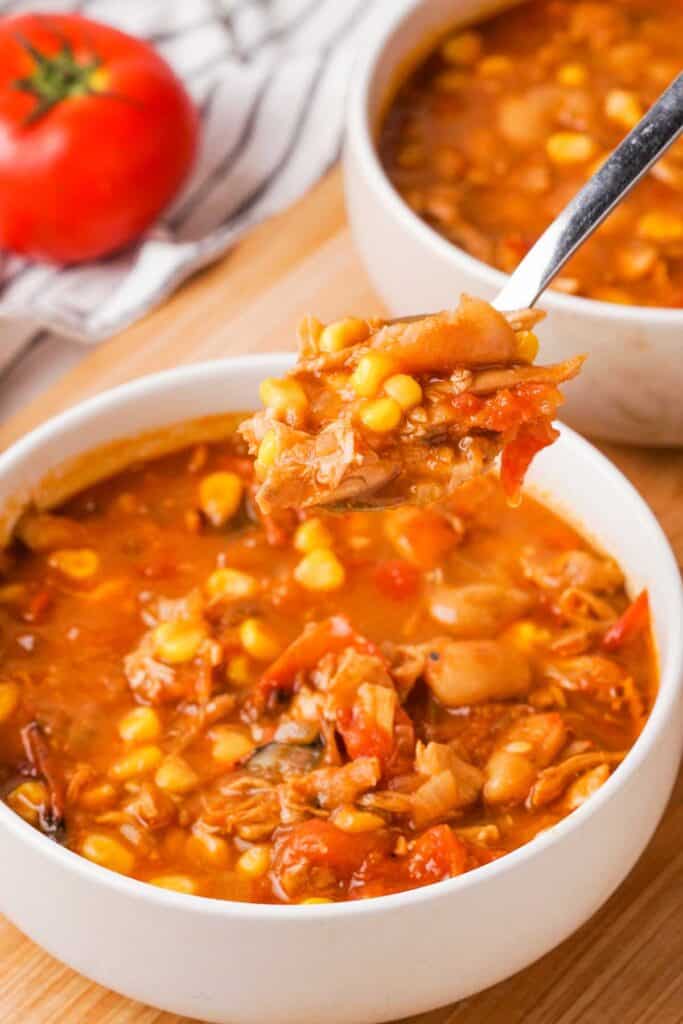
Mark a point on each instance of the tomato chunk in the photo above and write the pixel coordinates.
(362, 736)
(423, 536)
(518, 455)
(315, 855)
(397, 579)
(634, 620)
(437, 854)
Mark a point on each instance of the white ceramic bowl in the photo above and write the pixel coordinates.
(387, 957)
(630, 388)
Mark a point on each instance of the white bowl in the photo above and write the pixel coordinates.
(372, 960)
(630, 388)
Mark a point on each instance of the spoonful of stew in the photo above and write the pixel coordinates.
(382, 412)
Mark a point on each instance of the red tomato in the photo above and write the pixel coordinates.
(397, 579)
(423, 535)
(362, 736)
(96, 136)
(633, 621)
(518, 455)
(315, 854)
(438, 853)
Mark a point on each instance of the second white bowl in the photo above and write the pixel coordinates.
(630, 388)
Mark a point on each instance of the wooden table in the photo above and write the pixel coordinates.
(624, 966)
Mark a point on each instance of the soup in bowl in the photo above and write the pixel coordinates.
(297, 728)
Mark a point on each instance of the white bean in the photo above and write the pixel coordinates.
(463, 672)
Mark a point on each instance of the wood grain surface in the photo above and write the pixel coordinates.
(624, 965)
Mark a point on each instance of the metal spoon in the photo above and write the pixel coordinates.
(624, 167)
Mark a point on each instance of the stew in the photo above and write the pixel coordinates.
(382, 413)
(305, 708)
(502, 124)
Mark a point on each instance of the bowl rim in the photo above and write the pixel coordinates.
(659, 552)
(359, 134)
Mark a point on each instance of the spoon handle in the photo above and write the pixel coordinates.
(651, 137)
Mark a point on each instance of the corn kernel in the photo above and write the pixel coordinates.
(76, 563)
(176, 883)
(381, 415)
(349, 819)
(268, 451)
(179, 641)
(462, 48)
(623, 107)
(9, 700)
(526, 346)
(94, 798)
(565, 148)
(312, 534)
(174, 775)
(404, 389)
(220, 495)
(140, 725)
(108, 853)
(207, 849)
(372, 370)
(343, 333)
(231, 585)
(28, 800)
(259, 640)
(320, 570)
(571, 75)
(527, 636)
(254, 862)
(238, 670)
(661, 226)
(228, 745)
(138, 762)
(495, 65)
(310, 900)
(284, 397)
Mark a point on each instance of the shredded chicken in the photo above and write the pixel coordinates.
(246, 805)
(553, 781)
(451, 784)
(150, 678)
(407, 665)
(332, 787)
(341, 681)
(572, 568)
(150, 805)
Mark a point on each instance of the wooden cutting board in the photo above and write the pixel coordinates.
(624, 966)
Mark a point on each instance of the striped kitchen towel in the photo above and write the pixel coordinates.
(269, 78)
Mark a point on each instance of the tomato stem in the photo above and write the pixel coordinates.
(55, 77)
